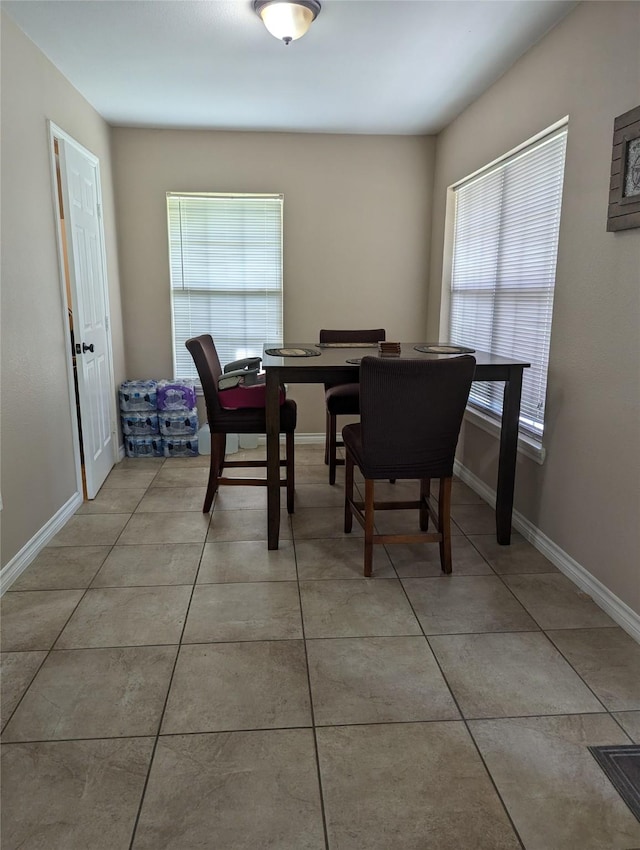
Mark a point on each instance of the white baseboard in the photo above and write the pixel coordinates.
(624, 616)
(309, 439)
(19, 563)
(621, 613)
(301, 439)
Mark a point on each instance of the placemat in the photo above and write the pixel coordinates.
(442, 348)
(292, 352)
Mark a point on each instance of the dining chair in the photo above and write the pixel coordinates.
(342, 399)
(410, 417)
(243, 420)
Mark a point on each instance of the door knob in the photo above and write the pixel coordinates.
(86, 347)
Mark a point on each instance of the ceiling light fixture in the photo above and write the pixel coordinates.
(287, 19)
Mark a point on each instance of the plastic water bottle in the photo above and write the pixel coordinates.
(204, 440)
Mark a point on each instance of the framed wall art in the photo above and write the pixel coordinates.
(624, 189)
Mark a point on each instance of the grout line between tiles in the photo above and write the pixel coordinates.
(51, 648)
(311, 708)
(464, 720)
(166, 699)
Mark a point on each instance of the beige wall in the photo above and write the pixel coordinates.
(586, 496)
(37, 464)
(356, 231)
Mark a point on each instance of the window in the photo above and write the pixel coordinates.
(505, 245)
(225, 259)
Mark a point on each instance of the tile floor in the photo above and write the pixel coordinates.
(168, 683)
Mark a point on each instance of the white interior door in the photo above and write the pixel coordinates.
(80, 194)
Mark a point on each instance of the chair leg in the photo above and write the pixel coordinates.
(348, 493)
(327, 428)
(290, 467)
(444, 520)
(425, 485)
(223, 452)
(332, 449)
(368, 526)
(220, 443)
(217, 446)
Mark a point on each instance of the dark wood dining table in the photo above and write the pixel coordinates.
(331, 366)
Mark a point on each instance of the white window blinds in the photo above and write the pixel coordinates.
(507, 221)
(225, 258)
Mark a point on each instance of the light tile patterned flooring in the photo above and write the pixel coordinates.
(170, 684)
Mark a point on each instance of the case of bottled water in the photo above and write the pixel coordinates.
(175, 423)
(180, 446)
(144, 446)
(138, 395)
(136, 424)
(177, 395)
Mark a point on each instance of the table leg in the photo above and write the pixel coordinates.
(508, 454)
(272, 412)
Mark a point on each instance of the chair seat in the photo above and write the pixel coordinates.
(343, 399)
(252, 420)
(352, 439)
(428, 462)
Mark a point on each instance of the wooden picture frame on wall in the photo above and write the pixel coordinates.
(624, 189)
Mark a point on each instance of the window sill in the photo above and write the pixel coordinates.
(526, 445)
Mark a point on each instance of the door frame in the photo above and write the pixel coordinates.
(55, 132)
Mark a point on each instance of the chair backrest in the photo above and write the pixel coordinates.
(205, 356)
(371, 335)
(410, 413)
(374, 335)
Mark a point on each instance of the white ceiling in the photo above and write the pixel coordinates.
(365, 66)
